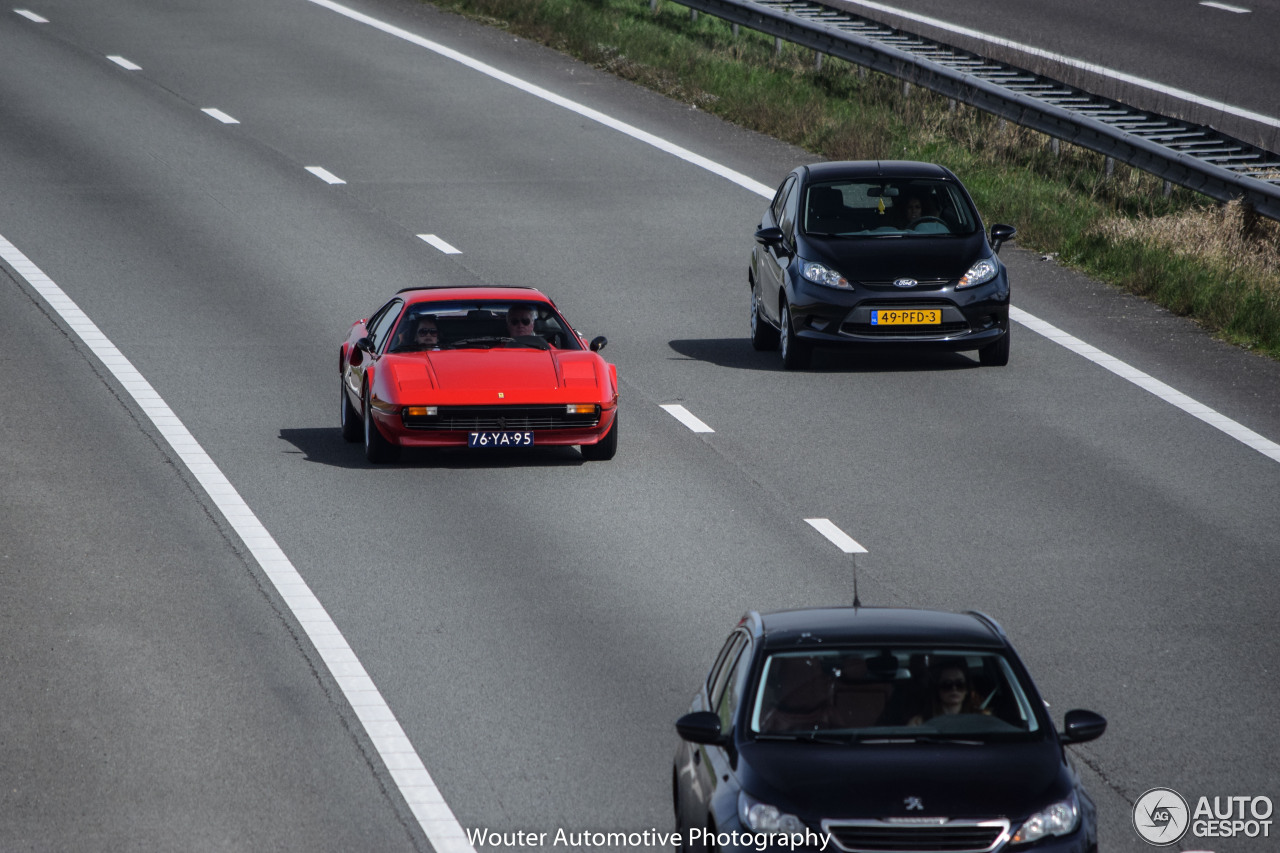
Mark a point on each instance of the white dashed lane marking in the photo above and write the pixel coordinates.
(125, 64)
(836, 536)
(219, 115)
(325, 175)
(686, 417)
(439, 244)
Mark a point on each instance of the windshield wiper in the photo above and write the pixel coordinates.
(921, 739)
(809, 737)
(479, 343)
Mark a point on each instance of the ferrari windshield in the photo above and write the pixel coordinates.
(909, 693)
(481, 324)
(887, 208)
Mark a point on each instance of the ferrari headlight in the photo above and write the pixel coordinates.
(1058, 819)
(827, 277)
(980, 273)
(762, 817)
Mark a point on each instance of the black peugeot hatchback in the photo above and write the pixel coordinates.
(875, 729)
(877, 254)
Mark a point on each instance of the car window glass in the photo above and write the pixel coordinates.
(789, 204)
(893, 692)
(726, 705)
(886, 207)
(720, 671)
(380, 323)
(482, 323)
(780, 197)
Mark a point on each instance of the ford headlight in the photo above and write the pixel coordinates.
(1058, 819)
(980, 273)
(827, 277)
(762, 817)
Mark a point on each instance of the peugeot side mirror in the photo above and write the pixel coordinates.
(701, 727)
(1001, 234)
(1082, 726)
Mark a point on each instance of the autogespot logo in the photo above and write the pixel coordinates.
(1160, 816)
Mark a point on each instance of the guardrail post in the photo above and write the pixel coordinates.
(777, 46)
(1110, 166)
(735, 30)
(817, 60)
(653, 7)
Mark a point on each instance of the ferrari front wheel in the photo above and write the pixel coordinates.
(606, 447)
(349, 418)
(376, 447)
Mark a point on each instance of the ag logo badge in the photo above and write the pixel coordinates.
(1161, 817)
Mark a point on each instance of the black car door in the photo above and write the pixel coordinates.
(714, 766)
(772, 261)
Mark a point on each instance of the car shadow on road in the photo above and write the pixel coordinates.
(324, 446)
(737, 353)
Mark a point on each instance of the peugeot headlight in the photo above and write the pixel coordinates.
(980, 273)
(1058, 819)
(762, 817)
(827, 277)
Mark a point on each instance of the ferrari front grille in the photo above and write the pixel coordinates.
(479, 418)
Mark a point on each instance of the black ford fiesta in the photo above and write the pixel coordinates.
(875, 729)
(877, 254)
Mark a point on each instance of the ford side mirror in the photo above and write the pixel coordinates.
(1000, 234)
(701, 727)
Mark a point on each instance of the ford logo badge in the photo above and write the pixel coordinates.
(905, 282)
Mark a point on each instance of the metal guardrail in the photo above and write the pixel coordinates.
(1193, 156)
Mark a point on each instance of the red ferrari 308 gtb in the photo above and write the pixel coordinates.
(483, 367)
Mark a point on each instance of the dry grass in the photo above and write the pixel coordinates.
(1227, 236)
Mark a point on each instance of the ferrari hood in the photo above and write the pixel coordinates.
(484, 375)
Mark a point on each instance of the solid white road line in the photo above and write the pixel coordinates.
(219, 115)
(1086, 66)
(1149, 383)
(124, 63)
(1224, 7)
(31, 16)
(686, 417)
(766, 192)
(439, 244)
(385, 733)
(836, 536)
(325, 175)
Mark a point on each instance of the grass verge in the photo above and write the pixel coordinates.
(1213, 263)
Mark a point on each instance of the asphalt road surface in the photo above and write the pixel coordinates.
(529, 624)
